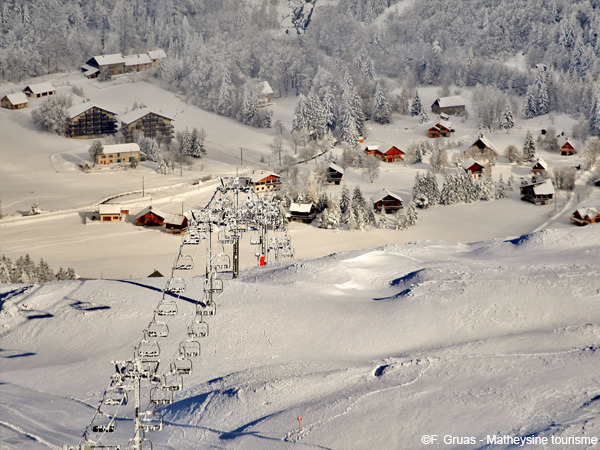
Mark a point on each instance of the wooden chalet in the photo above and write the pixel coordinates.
(120, 154)
(473, 168)
(157, 56)
(585, 216)
(87, 121)
(17, 100)
(137, 63)
(265, 94)
(373, 150)
(150, 217)
(302, 212)
(393, 154)
(110, 212)
(537, 192)
(442, 128)
(482, 148)
(39, 90)
(149, 123)
(388, 200)
(264, 181)
(118, 64)
(335, 173)
(567, 149)
(176, 223)
(449, 105)
(114, 63)
(540, 166)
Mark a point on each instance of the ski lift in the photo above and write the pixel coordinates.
(103, 423)
(184, 262)
(191, 238)
(89, 445)
(172, 382)
(214, 285)
(255, 239)
(136, 445)
(202, 227)
(287, 253)
(198, 329)
(175, 286)
(225, 238)
(148, 348)
(166, 308)
(182, 366)
(156, 328)
(160, 396)
(190, 348)
(208, 308)
(115, 396)
(151, 421)
(138, 367)
(221, 261)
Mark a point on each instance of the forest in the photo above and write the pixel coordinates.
(365, 49)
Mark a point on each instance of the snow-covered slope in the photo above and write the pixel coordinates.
(372, 348)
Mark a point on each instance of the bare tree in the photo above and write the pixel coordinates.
(371, 168)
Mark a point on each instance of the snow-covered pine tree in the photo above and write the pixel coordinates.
(329, 109)
(249, 113)
(507, 121)
(529, 147)
(344, 202)
(530, 107)
(410, 220)
(197, 147)
(300, 119)
(44, 272)
(163, 166)
(403, 101)
(432, 190)
(185, 145)
(595, 111)
(510, 184)
(351, 128)
(398, 221)
(417, 107)
(487, 188)
(541, 85)
(316, 122)
(470, 189)
(500, 188)
(382, 107)
(350, 218)
(382, 223)
(358, 200)
(224, 105)
(423, 117)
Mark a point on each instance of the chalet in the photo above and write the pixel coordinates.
(473, 168)
(110, 212)
(567, 149)
(393, 154)
(540, 166)
(373, 150)
(302, 212)
(584, 216)
(388, 200)
(442, 128)
(39, 90)
(17, 100)
(334, 173)
(118, 64)
(449, 105)
(482, 148)
(537, 192)
(157, 56)
(87, 121)
(176, 223)
(114, 63)
(149, 123)
(120, 154)
(265, 94)
(136, 63)
(264, 181)
(150, 217)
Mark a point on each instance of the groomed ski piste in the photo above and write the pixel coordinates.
(391, 347)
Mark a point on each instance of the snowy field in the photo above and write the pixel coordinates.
(455, 326)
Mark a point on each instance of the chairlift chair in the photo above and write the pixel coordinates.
(97, 446)
(198, 329)
(287, 252)
(166, 307)
(133, 444)
(175, 286)
(214, 285)
(103, 423)
(151, 421)
(172, 382)
(160, 396)
(184, 262)
(136, 368)
(191, 239)
(206, 308)
(157, 328)
(225, 238)
(190, 348)
(115, 396)
(221, 261)
(148, 348)
(182, 365)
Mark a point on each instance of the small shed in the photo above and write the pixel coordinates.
(110, 212)
(388, 200)
(538, 192)
(39, 90)
(449, 105)
(334, 173)
(567, 149)
(302, 212)
(17, 100)
(540, 166)
(150, 217)
(155, 274)
(585, 215)
(473, 168)
(393, 154)
(265, 181)
(176, 223)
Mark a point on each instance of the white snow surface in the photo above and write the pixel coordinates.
(372, 348)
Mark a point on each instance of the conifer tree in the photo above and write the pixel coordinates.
(382, 107)
(595, 112)
(507, 121)
(410, 219)
(197, 148)
(530, 108)
(500, 188)
(529, 147)
(417, 107)
(224, 105)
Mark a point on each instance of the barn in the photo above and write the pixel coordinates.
(17, 100)
(449, 105)
(302, 212)
(482, 148)
(540, 166)
(388, 200)
(176, 223)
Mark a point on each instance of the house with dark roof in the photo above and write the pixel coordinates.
(537, 192)
(334, 173)
(389, 200)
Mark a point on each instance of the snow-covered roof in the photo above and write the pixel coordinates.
(266, 88)
(157, 54)
(544, 188)
(335, 167)
(107, 60)
(371, 146)
(448, 102)
(175, 219)
(261, 175)
(445, 123)
(383, 194)
(469, 162)
(488, 143)
(155, 211)
(120, 148)
(137, 114)
(89, 70)
(543, 164)
(80, 108)
(17, 98)
(40, 88)
(587, 211)
(140, 58)
(109, 208)
(301, 207)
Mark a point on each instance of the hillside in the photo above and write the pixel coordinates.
(495, 338)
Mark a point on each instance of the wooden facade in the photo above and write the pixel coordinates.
(473, 168)
(393, 154)
(302, 212)
(118, 64)
(176, 223)
(334, 173)
(87, 121)
(264, 181)
(540, 166)
(449, 105)
(585, 216)
(538, 193)
(120, 154)
(567, 149)
(39, 90)
(14, 101)
(390, 201)
(150, 217)
(149, 123)
(482, 148)
(373, 150)
(439, 130)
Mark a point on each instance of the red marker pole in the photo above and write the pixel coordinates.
(299, 424)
